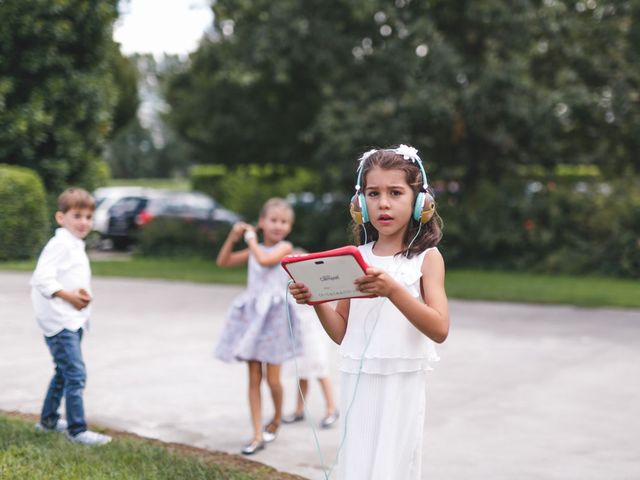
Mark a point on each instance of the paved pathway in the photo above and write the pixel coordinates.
(522, 392)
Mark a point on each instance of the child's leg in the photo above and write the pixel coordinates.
(327, 391)
(273, 379)
(255, 400)
(304, 388)
(49, 415)
(298, 414)
(65, 349)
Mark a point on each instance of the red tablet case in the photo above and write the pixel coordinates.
(329, 275)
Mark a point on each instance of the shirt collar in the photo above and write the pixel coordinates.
(68, 237)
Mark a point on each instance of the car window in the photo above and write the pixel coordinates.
(127, 205)
(157, 205)
(198, 205)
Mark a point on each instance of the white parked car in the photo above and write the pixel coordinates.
(105, 198)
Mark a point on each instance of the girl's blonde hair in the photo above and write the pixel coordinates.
(276, 202)
(429, 234)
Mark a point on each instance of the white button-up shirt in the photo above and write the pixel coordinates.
(63, 265)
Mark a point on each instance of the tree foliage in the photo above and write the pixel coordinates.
(125, 77)
(57, 91)
(147, 146)
(479, 87)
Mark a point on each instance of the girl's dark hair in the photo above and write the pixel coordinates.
(430, 233)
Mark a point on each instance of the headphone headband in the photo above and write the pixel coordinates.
(407, 152)
(424, 206)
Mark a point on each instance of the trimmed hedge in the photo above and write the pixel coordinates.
(169, 237)
(245, 189)
(23, 213)
(207, 178)
(570, 224)
(583, 227)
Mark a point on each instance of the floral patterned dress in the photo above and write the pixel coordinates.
(260, 322)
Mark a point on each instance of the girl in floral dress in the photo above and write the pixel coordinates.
(257, 330)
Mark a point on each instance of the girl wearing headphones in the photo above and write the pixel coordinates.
(387, 342)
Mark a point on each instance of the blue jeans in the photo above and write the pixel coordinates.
(69, 380)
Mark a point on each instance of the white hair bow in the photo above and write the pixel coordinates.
(364, 157)
(408, 153)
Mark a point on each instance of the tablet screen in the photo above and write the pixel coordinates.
(329, 275)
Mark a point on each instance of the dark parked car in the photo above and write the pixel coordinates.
(129, 214)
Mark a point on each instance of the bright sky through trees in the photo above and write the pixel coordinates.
(168, 26)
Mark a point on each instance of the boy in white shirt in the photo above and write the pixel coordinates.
(61, 297)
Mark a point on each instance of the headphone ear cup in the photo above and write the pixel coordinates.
(362, 201)
(356, 211)
(428, 209)
(417, 206)
(424, 208)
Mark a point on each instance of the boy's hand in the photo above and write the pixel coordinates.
(79, 297)
(84, 295)
(300, 292)
(376, 282)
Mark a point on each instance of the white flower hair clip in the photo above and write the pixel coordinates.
(364, 157)
(408, 153)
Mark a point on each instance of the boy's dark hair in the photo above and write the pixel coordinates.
(75, 198)
(430, 233)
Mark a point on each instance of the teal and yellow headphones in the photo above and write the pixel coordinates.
(424, 206)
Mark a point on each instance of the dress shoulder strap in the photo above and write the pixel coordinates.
(424, 253)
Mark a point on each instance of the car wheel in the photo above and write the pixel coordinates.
(120, 243)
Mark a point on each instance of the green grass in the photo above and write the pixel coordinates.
(28, 454)
(18, 266)
(585, 291)
(181, 184)
(185, 269)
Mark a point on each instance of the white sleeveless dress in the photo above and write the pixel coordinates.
(383, 393)
(313, 361)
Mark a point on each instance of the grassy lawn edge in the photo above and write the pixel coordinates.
(230, 465)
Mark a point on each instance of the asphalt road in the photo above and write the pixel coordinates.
(522, 392)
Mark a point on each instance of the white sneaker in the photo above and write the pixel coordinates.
(89, 438)
(61, 426)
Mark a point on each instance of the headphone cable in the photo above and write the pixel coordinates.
(327, 473)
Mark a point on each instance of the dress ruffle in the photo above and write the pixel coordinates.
(388, 365)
